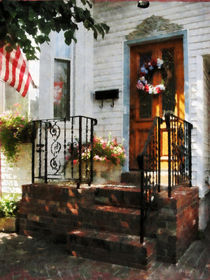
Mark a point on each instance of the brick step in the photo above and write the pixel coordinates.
(117, 219)
(133, 178)
(124, 196)
(109, 247)
(113, 219)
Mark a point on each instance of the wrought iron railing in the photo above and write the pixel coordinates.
(62, 150)
(149, 161)
(149, 166)
(179, 152)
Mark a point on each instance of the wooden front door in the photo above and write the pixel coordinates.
(144, 106)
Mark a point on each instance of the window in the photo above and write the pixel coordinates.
(62, 83)
(61, 88)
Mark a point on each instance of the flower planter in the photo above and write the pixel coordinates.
(75, 174)
(8, 224)
(105, 172)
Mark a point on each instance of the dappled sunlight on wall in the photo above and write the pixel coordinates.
(17, 174)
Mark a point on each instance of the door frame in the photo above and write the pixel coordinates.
(126, 80)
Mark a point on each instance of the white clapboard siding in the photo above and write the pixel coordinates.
(123, 17)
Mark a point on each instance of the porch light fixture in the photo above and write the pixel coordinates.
(143, 4)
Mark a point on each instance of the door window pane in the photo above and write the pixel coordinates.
(61, 88)
(145, 99)
(168, 99)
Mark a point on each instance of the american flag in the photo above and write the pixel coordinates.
(14, 70)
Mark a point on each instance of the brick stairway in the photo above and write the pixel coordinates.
(102, 222)
(110, 229)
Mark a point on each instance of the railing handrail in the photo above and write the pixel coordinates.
(144, 172)
(63, 119)
(181, 170)
(179, 159)
(180, 119)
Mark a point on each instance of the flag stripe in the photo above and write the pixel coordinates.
(6, 77)
(29, 79)
(22, 70)
(14, 66)
(14, 70)
(3, 60)
(20, 61)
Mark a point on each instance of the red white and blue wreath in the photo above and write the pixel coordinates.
(146, 72)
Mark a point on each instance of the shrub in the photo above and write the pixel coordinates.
(9, 206)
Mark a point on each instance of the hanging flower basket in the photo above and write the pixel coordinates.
(145, 75)
(14, 130)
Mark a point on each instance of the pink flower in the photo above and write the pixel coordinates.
(104, 145)
(140, 85)
(75, 161)
(115, 141)
(96, 157)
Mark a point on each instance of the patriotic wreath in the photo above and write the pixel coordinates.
(146, 72)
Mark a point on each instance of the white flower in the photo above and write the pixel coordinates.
(161, 86)
(142, 79)
(159, 63)
(155, 90)
(150, 89)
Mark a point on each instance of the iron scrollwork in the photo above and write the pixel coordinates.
(55, 149)
(59, 142)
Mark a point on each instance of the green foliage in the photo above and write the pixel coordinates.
(14, 129)
(20, 21)
(9, 206)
